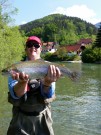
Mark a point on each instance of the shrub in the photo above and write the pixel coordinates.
(90, 55)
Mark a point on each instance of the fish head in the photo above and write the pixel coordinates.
(9, 70)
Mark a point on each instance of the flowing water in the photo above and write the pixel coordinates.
(77, 108)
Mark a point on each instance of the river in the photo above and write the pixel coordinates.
(77, 108)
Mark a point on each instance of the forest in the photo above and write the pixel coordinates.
(60, 28)
(64, 30)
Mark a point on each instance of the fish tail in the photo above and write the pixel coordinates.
(74, 76)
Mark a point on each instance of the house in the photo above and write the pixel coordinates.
(77, 48)
(85, 41)
(73, 48)
(48, 47)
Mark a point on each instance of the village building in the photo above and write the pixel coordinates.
(76, 48)
(79, 46)
(49, 47)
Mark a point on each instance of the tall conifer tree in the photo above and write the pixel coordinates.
(98, 38)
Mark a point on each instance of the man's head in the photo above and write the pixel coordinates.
(33, 47)
(35, 39)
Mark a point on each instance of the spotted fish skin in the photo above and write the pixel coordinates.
(38, 69)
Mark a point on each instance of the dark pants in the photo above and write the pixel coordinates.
(22, 124)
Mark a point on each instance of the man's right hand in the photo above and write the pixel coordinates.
(21, 87)
(20, 77)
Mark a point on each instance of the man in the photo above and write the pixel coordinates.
(31, 98)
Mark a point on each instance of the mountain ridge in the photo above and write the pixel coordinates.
(59, 28)
(51, 18)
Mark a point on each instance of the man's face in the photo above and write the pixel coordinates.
(33, 49)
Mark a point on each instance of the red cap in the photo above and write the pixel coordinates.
(34, 38)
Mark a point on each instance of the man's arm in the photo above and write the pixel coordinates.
(49, 91)
(48, 83)
(11, 84)
(18, 85)
(21, 86)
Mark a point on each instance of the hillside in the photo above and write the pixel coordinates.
(98, 25)
(59, 28)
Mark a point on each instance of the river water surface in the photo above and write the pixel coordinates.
(77, 108)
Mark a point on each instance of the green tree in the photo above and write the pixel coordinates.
(98, 38)
(62, 53)
(11, 40)
(11, 46)
(36, 31)
(49, 32)
(6, 12)
(90, 55)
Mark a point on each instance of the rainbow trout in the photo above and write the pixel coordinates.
(38, 69)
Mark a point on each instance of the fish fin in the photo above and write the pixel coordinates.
(75, 76)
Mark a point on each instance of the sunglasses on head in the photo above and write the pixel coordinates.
(29, 45)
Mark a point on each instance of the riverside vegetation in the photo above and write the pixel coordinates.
(58, 28)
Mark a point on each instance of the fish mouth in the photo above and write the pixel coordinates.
(4, 72)
(7, 72)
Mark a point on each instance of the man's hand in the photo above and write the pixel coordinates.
(20, 77)
(22, 86)
(52, 76)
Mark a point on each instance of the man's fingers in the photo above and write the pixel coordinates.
(15, 76)
(58, 72)
(53, 73)
(26, 77)
(20, 76)
(23, 77)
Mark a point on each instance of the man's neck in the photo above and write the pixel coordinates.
(33, 58)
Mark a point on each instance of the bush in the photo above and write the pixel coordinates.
(90, 55)
(97, 53)
(49, 56)
(11, 42)
(55, 57)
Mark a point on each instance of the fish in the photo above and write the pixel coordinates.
(38, 69)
